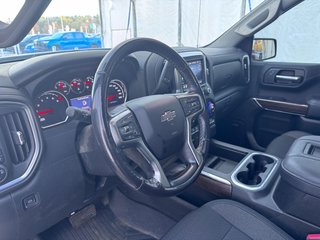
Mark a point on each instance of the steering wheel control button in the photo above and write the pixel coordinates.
(3, 173)
(194, 130)
(128, 128)
(211, 112)
(190, 105)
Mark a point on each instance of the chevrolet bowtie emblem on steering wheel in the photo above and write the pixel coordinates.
(168, 116)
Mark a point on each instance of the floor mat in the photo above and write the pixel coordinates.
(104, 226)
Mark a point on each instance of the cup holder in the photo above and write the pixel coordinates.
(255, 170)
(249, 178)
(262, 159)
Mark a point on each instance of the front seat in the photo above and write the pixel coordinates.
(281, 145)
(227, 220)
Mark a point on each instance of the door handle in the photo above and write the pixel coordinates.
(288, 79)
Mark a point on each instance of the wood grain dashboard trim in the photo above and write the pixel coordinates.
(214, 184)
(283, 107)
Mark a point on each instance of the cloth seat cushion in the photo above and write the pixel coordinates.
(281, 145)
(225, 220)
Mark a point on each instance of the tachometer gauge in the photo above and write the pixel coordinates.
(51, 108)
(62, 87)
(77, 86)
(88, 83)
(117, 93)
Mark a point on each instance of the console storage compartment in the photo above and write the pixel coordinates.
(222, 160)
(298, 193)
(225, 159)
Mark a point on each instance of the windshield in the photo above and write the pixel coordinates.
(27, 38)
(82, 24)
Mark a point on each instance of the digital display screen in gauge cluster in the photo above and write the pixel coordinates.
(82, 102)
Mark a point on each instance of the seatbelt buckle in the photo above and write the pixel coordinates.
(313, 237)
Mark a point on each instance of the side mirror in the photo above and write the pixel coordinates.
(263, 49)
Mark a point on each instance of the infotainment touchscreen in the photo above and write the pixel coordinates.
(197, 69)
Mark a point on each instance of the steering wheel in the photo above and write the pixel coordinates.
(139, 135)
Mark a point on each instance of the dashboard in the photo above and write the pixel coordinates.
(72, 88)
(67, 82)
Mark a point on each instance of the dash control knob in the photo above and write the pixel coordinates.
(207, 90)
(3, 173)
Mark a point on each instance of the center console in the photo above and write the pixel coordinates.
(287, 191)
(239, 168)
(298, 192)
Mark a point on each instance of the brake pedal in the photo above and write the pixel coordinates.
(83, 216)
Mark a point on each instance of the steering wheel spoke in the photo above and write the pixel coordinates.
(193, 106)
(159, 179)
(126, 133)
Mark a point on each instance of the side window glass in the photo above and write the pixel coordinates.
(78, 35)
(297, 34)
(67, 36)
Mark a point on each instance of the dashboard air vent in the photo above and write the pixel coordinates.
(16, 132)
(246, 68)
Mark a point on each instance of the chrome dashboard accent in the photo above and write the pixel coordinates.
(244, 162)
(34, 155)
(61, 122)
(21, 139)
(248, 68)
(192, 54)
(215, 177)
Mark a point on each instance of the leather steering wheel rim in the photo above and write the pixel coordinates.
(109, 133)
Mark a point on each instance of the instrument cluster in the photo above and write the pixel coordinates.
(51, 104)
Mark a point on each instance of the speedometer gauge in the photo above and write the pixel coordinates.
(117, 93)
(51, 108)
